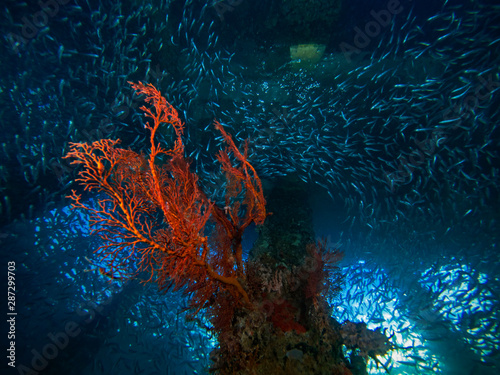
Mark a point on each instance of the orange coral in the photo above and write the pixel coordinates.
(154, 214)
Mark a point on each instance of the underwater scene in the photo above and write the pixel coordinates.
(250, 187)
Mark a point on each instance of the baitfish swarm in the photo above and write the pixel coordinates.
(393, 125)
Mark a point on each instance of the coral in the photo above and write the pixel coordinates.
(323, 273)
(153, 214)
(282, 334)
(270, 313)
(283, 317)
(364, 342)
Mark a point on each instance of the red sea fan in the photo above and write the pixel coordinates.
(154, 212)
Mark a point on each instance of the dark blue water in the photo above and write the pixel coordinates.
(389, 119)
